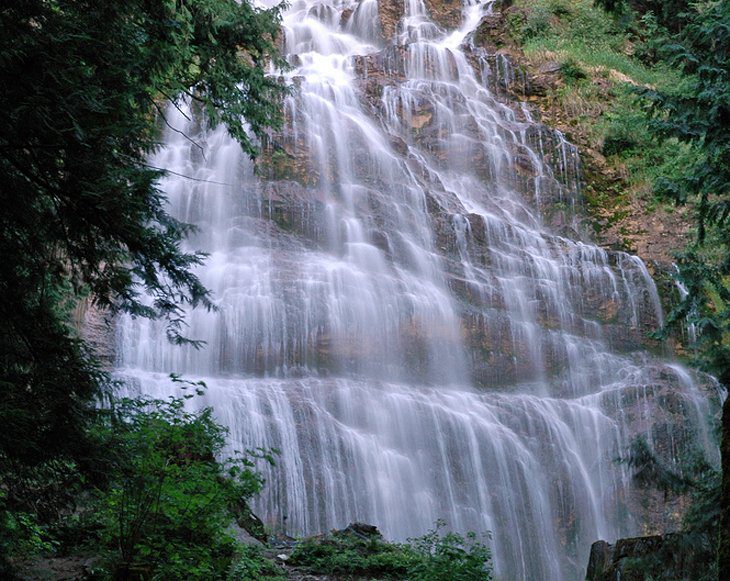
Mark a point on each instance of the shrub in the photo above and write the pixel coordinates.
(450, 557)
(345, 554)
(170, 502)
(253, 565)
(530, 24)
(436, 556)
(572, 71)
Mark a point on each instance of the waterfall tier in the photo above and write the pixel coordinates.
(407, 308)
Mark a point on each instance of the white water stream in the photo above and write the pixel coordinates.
(398, 317)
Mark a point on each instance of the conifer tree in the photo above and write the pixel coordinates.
(84, 87)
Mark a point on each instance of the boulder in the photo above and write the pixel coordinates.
(663, 557)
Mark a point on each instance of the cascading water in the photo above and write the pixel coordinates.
(398, 314)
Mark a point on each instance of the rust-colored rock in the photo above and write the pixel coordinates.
(391, 12)
(446, 13)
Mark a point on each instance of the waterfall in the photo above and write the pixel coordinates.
(407, 307)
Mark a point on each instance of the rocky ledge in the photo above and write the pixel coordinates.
(670, 557)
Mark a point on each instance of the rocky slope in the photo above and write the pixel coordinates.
(622, 213)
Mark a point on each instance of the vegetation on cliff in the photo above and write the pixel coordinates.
(584, 66)
(643, 87)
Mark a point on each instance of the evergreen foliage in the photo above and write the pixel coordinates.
(692, 552)
(85, 84)
(696, 112)
(669, 13)
(80, 211)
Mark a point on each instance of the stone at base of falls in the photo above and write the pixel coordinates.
(243, 536)
(361, 530)
(249, 525)
(353, 531)
(70, 568)
(619, 562)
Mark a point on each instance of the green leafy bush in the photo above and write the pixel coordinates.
(20, 534)
(170, 502)
(571, 71)
(253, 565)
(436, 556)
(345, 554)
(529, 24)
(450, 557)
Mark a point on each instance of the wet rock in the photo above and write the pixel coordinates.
(420, 119)
(362, 531)
(248, 527)
(67, 568)
(549, 68)
(96, 327)
(491, 32)
(446, 13)
(243, 536)
(547, 78)
(345, 16)
(600, 560)
(391, 12)
(639, 558)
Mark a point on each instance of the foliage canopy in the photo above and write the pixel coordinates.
(84, 84)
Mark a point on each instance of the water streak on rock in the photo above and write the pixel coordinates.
(407, 307)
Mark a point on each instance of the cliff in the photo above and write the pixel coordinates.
(412, 302)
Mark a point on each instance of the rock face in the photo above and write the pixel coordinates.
(445, 13)
(637, 558)
(390, 14)
(96, 327)
(410, 307)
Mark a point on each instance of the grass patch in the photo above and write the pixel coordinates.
(593, 100)
(576, 31)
